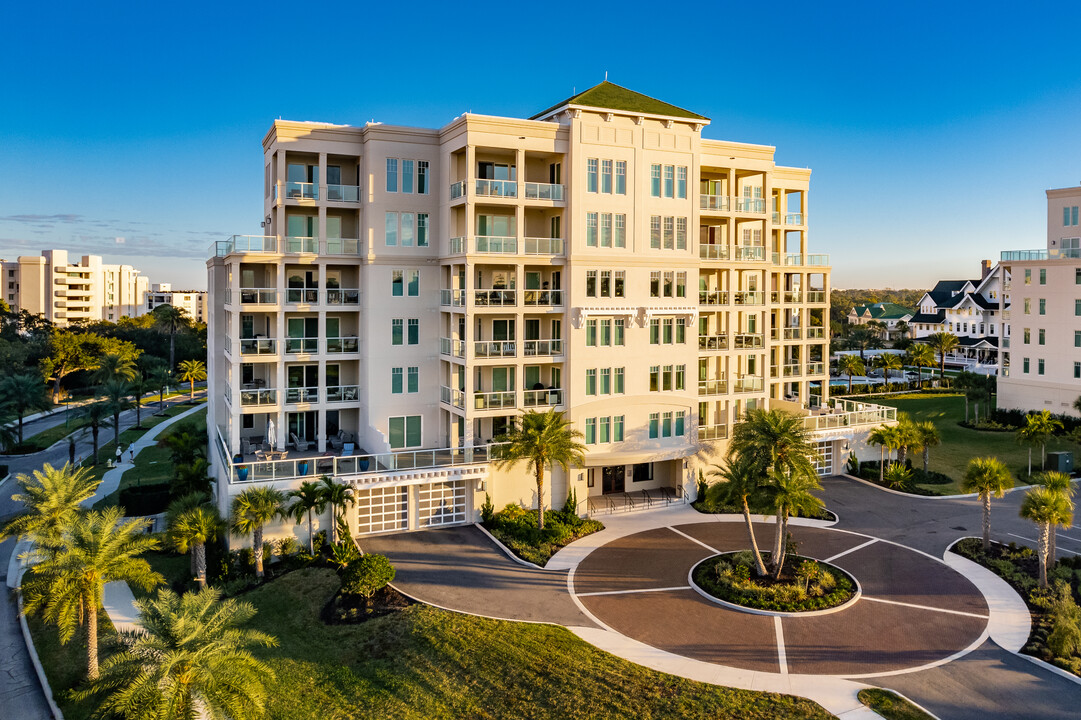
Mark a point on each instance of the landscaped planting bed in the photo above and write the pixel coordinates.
(805, 584)
(715, 508)
(891, 705)
(927, 484)
(516, 527)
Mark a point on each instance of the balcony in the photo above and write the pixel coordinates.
(712, 342)
(712, 387)
(493, 297)
(749, 383)
(712, 252)
(840, 413)
(543, 246)
(748, 297)
(792, 333)
(343, 393)
(816, 297)
(816, 333)
(451, 396)
(495, 188)
(816, 368)
(302, 395)
(258, 346)
(302, 245)
(789, 370)
(258, 397)
(494, 348)
(543, 298)
(458, 245)
(712, 432)
(716, 203)
(257, 296)
(343, 296)
(452, 347)
(452, 298)
(301, 191)
(751, 205)
(793, 296)
(543, 191)
(752, 253)
(495, 244)
(245, 244)
(493, 400)
(1025, 255)
(793, 219)
(343, 345)
(537, 398)
(341, 246)
(712, 297)
(302, 346)
(302, 296)
(542, 348)
(457, 190)
(745, 341)
(343, 193)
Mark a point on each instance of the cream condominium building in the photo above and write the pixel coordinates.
(417, 289)
(193, 302)
(1040, 366)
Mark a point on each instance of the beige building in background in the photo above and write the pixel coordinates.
(417, 289)
(1040, 366)
(193, 302)
(65, 291)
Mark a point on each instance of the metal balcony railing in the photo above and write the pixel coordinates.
(543, 191)
(720, 203)
(302, 395)
(302, 345)
(258, 396)
(543, 246)
(302, 296)
(257, 346)
(496, 188)
(712, 387)
(452, 347)
(493, 400)
(538, 348)
(537, 298)
(452, 298)
(343, 393)
(342, 345)
(495, 244)
(301, 191)
(713, 342)
(343, 296)
(257, 296)
(547, 397)
(452, 396)
(494, 297)
(712, 432)
(494, 348)
(712, 297)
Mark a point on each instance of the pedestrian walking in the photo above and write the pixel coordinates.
(119, 454)
(131, 453)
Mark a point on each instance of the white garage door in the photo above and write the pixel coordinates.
(824, 463)
(382, 509)
(441, 503)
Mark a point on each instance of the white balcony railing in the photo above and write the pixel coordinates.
(343, 393)
(493, 400)
(748, 297)
(452, 396)
(793, 333)
(301, 191)
(494, 348)
(712, 342)
(742, 341)
(496, 188)
(543, 191)
(713, 252)
(751, 205)
(752, 252)
(712, 297)
(343, 193)
(816, 368)
(547, 397)
(245, 244)
(495, 244)
(712, 387)
(712, 432)
(341, 246)
(302, 345)
(543, 246)
(841, 413)
(816, 333)
(793, 219)
(452, 347)
(258, 396)
(302, 296)
(542, 348)
(258, 346)
(536, 298)
(302, 395)
(452, 298)
(342, 345)
(721, 203)
(749, 383)
(816, 296)
(258, 296)
(458, 245)
(495, 297)
(343, 296)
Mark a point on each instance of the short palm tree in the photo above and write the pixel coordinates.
(191, 530)
(160, 378)
(942, 343)
(986, 476)
(850, 365)
(116, 394)
(907, 437)
(53, 498)
(24, 393)
(1077, 404)
(113, 366)
(67, 587)
(791, 494)
(921, 356)
(96, 415)
(741, 479)
(1061, 484)
(192, 371)
(304, 501)
(338, 496)
(252, 509)
(928, 438)
(541, 439)
(776, 439)
(885, 436)
(190, 659)
(1046, 508)
(184, 445)
(888, 361)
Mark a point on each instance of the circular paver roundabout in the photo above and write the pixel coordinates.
(914, 610)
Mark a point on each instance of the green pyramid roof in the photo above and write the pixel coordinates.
(609, 96)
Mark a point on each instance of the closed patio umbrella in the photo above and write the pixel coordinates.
(270, 433)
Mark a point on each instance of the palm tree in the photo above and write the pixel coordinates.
(928, 438)
(160, 378)
(170, 320)
(95, 414)
(139, 387)
(1046, 508)
(192, 371)
(942, 343)
(1077, 404)
(52, 498)
(542, 439)
(741, 479)
(338, 496)
(850, 365)
(791, 493)
(191, 530)
(776, 439)
(252, 509)
(888, 361)
(191, 478)
(921, 356)
(98, 547)
(986, 476)
(114, 366)
(191, 658)
(907, 437)
(902, 328)
(306, 499)
(1061, 484)
(116, 395)
(23, 394)
(1048, 425)
(8, 436)
(885, 436)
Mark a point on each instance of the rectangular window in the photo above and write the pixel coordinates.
(1077, 338)
(1028, 306)
(1077, 308)
(681, 417)
(591, 333)
(669, 233)
(606, 381)
(406, 234)
(1077, 276)
(413, 287)
(391, 229)
(1028, 276)
(655, 331)
(1043, 306)
(681, 182)
(606, 229)
(654, 423)
(392, 175)
(591, 175)
(1043, 276)
(591, 431)
(1026, 336)
(422, 229)
(681, 330)
(591, 229)
(618, 389)
(591, 283)
(655, 283)
(606, 176)
(1077, 370)
(1039, 366)
(655, 180)
(1043, 337)
(606, 429)
(405, 432)
(681, 233)
(621, 230)
(681, 284)
(681, 374)
(619, 285)
(397, 326)
(666, 334)
(606, 333)
(669, 284)
(617, 428)
(591, 381)
(666, 378)
(669, 181)
(655, 231)
(407, 176)
(413, 378)
(621, 177)
(654, 378)
(617, 332)
(606, 283)
(666, 424)
(422, 177)
(1024, 366)
(397, 283)
(396, 380)
(414, 331)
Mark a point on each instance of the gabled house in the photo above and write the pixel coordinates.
(889, 314)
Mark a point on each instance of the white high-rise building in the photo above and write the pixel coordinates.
(193, 302)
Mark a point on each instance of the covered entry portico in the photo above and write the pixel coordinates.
(624, 486)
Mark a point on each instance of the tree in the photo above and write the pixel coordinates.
(1046, 508)
(850, 365)
(541, 439)
(115, 366)
(986, 476)
(192, 371)
(160, 378)
(52, 498)
(252, 509)
(190, 659)
(902, 328)
(191, 530)
(1061, 484)
(70, 351)
(191, 478)
(742, 480)
(1048, 425)
(862, 338)
(1077, 404)
(139, 387)
(921, 356)
(305, 500)
(338, 496)
(116, 394)
(776, 439)
(99, 547)
(885, 436)
(185, 446)
(928, 438)
(95, 414)
(9, 436)
(170, 320)
(791, 493)
(888, 361)
(907, 436)
(942, 343)
(23, 394)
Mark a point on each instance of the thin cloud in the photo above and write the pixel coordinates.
(52, 219)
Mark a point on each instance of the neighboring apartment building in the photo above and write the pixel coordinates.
(65, 291)
(889, 314)
(970, 310)
(1040, 366)
(193, 302)
(420, 288)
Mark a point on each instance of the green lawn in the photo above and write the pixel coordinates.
(65, 665)
(959, 444)
(891, 705)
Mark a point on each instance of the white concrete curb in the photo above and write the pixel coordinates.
(1051, 668)
(967, 496)
(5, 479)
(48, 690)
(506, 550)
(1009, 623)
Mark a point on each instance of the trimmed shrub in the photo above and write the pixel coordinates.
(487, 510)
(367, 575)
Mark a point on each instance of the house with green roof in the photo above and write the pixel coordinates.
(889, 314)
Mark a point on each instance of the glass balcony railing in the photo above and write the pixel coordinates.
(816, 260)
(720, 203)
(753, 252)
(541, 348)
(258, 396)
(452, 298)
(712, 432)
(793, 333)
(816, 296)
(343, 393)
(789, 370)
(258, 296)
(816, 368)
(751, 205)
(712, 297)
(301, 191)
(343, 345)
(302, 395)
(496, 188)
(302, 345)
(302, 296)
(543, 191)
(342, 246)
(457, 190)
(495, 297)
(308, 245)
(793, 296)
(245, 244)
(741, 341)
(543, 246)
(1024, 255)
(496, 244)
(712, 387)
(793, 219)
(258, 346)
(712, 342)
(549, 396)
(493, 400)
(713, 252)
(543, 297)
(452, 347)
(748, 297)
(343, 193)
(494, 348)
(451, 396)
(749, 383)
(457, 245)
(776, 218)
(816, 333)
(343, 296)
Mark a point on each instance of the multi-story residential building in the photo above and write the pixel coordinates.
(65, 291)
(193, 302)
(970, 310)
(1040, 366)
(420, 288)
(891, 315)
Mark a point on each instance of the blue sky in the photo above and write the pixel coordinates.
(932, 129)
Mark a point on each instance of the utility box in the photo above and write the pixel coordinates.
(1060, 461)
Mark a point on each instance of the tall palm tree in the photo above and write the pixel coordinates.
(888, 361)
(907, 436)
(902, 328)
(96, 414)
(190, 659)
(191, 530)
(112, 366)
(1048, 425)
(116, 394)
(1061, 484)
(305, 500)
(67, 587)
(139, 387)
(24, 393)
(252, 509)
(160, 378)
(338, 496)
(942, 343)
(921, 356)
(986, 476)
(776, 439)
(791, 493)
(1046, 508)
(170, 320)
(52, 498)
(850, 365)
(541, 439)
(928, 438)
(742, 479)
(192, 371)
